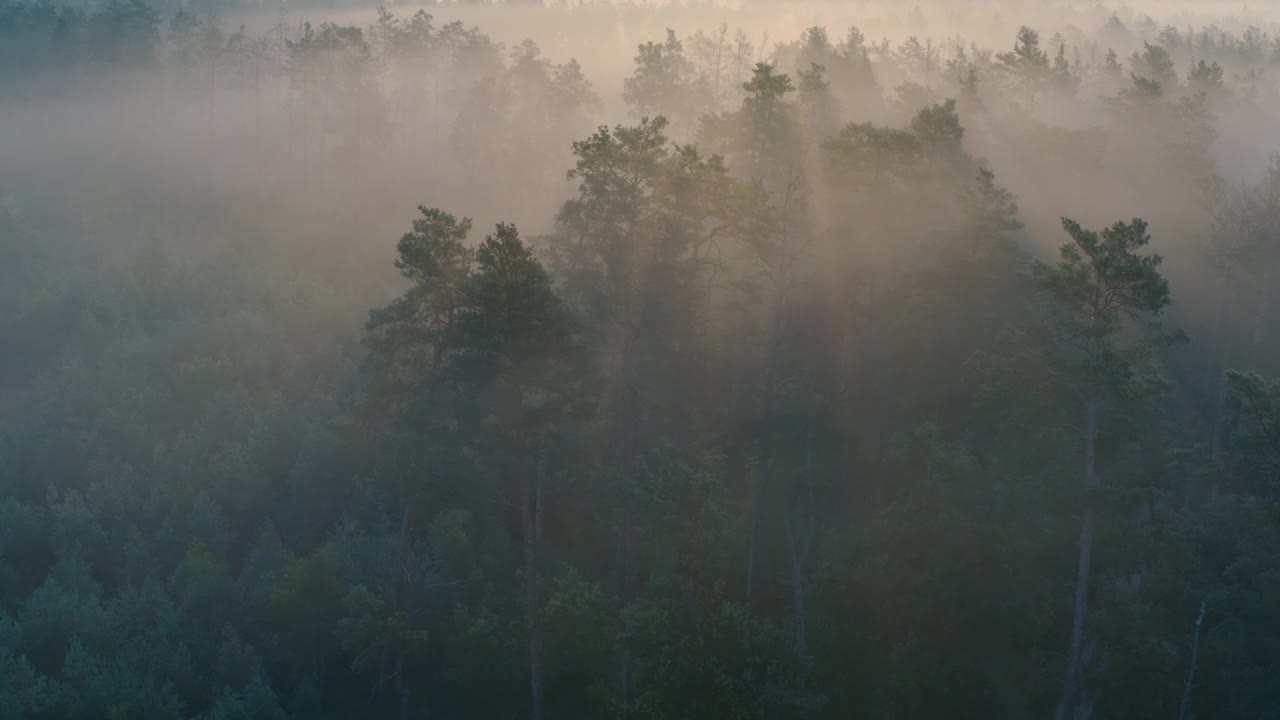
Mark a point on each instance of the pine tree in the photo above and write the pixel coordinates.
(517, 365)
(1103, 291)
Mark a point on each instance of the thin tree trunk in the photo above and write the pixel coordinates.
(715, 95)
(801, 639)
(1183, 712)
(401, 689)
(1071, 688)
(628, 432)
(765, 466)
(406, 531)
(799, 540)
(531, 578)
(1261, 310)
(753, 541)
(779, 273)
(798, 604)
(393, 667)
(626, 448)
(257, 103)
(1219, 371)
(539, 505)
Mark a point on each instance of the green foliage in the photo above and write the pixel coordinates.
(510, 312)
(332, 68)
(307, 604)
(256, 701)
(664, 82)
(1154, 64)
(1255, 407)
(372, 629)
(123, 32)
(1205, 77)
(1027, 66)
(581, 637)
(1026, 55)
(101, 688)
(764, 89)
(1101, 283)
(1063, 77)
(409, 336)
(750, 675)
(811, 349)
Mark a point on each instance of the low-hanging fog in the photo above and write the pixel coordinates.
(592, 360)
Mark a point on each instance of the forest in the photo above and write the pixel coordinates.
(694, 361)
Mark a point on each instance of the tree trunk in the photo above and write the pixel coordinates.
(1262, 310)
(393, 665)
(627, 562)
(257, 103)
(626, 441)
(1183, 712)
(753, 540)
(1071, 688)
(406, 602)
(401, 689)
(531, 578)
(799, 540)
(715, 93)
(798, 606)
(764, 440)
(1219, 379)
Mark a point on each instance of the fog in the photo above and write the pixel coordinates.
(644, 360)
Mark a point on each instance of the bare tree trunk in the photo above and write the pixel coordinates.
(741, 40)
(539, 506)
(257, 102)
(531, 581)
(720, 36)
(764, 439)
(211, 119)
(780, 274)
(406, 532)
(753, 541)
(406, 602)
(1262, 310)
(1071, 688)
(798, 603)
(799, 541)
(627, 447)
(403, 691)
(737, 363)
(628, 571)
(1183, 712)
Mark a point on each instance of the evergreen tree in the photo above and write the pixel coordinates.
(1101, 287)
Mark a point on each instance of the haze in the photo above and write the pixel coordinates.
(644, 361)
